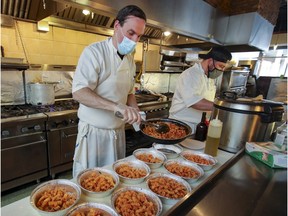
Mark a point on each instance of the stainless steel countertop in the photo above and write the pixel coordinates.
(246, 187)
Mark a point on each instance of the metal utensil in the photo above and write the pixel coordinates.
(159, 127)
(165, 150)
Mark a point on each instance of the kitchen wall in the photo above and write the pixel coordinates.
(58, 46)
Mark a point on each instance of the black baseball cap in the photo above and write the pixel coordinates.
(217, 53)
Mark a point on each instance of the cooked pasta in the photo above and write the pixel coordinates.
(198, 159)
(175, 131)
(98, 182)
(182, 170)
(167, 187)
(55, 199)
(135, 203)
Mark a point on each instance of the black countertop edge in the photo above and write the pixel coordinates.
(243, 186)
(16, 66)
(190, 200)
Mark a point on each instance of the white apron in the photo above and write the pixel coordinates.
(98, 145)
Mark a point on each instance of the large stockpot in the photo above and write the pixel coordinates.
(245, 121)
(42, 93)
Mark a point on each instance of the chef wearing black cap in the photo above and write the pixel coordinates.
(195, 89)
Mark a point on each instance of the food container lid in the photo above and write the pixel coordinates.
(248, 106)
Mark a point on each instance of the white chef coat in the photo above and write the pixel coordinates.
(192, 86)
(101, 135)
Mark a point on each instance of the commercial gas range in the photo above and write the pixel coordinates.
(34, 141)
(43, 138)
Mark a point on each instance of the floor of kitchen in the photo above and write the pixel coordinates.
(23, 191)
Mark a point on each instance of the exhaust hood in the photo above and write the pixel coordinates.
(194, 23)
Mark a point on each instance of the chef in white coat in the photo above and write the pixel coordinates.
(195, 89)
(103, 84)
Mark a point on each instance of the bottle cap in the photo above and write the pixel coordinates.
(216, 122)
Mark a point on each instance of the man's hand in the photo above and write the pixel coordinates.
(130, 114)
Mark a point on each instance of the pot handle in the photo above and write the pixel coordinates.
(229, 95)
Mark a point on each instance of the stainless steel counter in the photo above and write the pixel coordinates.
(245, 187)
(240, 185)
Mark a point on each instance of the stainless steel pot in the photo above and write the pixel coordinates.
(245, 121)
(41, 93)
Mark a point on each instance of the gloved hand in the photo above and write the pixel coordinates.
(130, 114)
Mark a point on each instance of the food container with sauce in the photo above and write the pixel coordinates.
(205, 161)
(153, 158)
(90, 175)
(133, 166)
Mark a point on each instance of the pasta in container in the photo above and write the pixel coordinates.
(205, 161)
(188, 171)
(136, 201)
(97, 182)
(131, 171)
(169, 188)
(153, 158)
(55, 197)
(91, 208)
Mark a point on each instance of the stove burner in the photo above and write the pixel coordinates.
(142, 98)
(8, 111)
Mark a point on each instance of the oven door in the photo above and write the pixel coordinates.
(235, 81)
(23, 159)
(238, 79)
(61, 145)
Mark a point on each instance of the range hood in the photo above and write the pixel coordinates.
(194, 23)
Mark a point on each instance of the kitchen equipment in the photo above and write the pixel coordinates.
(42, 93)
(61, 129)
(245, 121)
(171, 151)
(235, 80)
(42, 138)
(165, 61)
(167, 141)
(23, 150)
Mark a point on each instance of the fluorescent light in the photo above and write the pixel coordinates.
(43, 26)
(167, 33)
(86, 12)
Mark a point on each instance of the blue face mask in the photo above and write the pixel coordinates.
(126, 46)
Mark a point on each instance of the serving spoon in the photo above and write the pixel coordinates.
(159, 127)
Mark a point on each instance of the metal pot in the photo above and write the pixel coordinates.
(167, 141)
(245, 120)
(41, 93)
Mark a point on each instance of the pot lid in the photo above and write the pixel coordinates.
(248, 105)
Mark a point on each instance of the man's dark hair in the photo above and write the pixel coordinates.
(130, 10)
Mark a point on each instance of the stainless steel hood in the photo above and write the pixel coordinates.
(194, 23)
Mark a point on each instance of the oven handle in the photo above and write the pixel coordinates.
(27, 144)
(68, 135)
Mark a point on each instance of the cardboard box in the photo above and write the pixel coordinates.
(268, 153)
